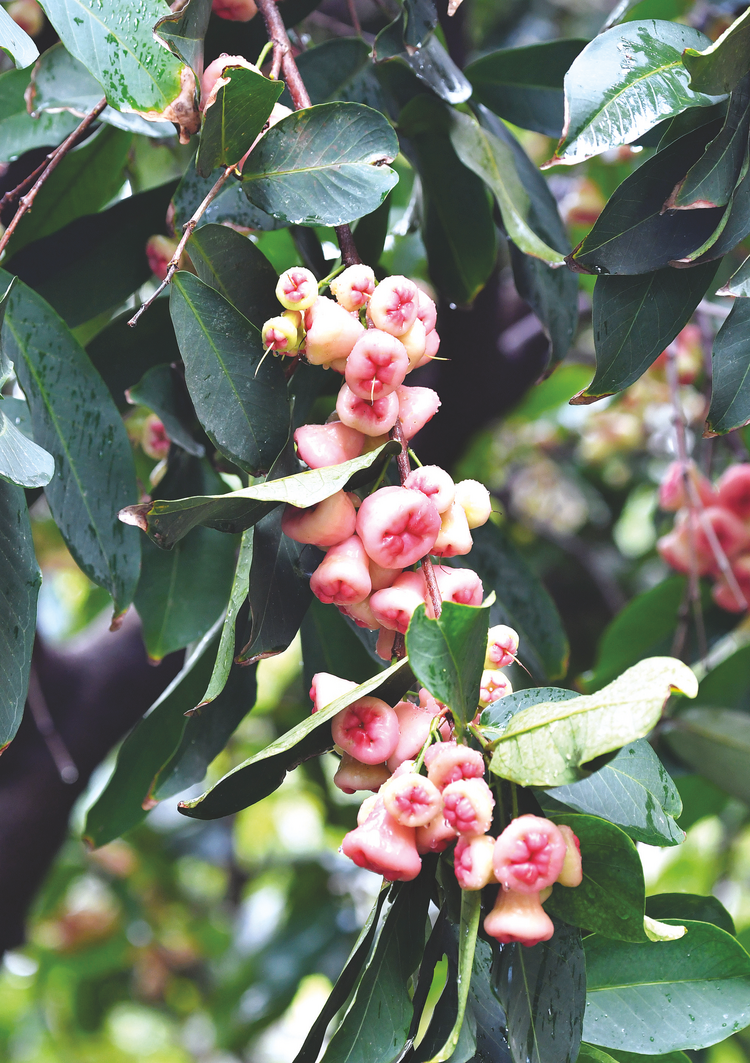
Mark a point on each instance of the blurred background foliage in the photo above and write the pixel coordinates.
(218, 942)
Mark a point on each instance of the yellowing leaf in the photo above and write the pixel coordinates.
(656, 931)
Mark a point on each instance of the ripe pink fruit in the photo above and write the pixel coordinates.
(319, 445)
(434, 482)
(235, 10)
(431, 347)
(28, 15)
(724, 595)
(397, 526)
(460, 585)
(342, 577)
(373, 419)
(393, 305)
(728, 529)
(448, 762)
(675, 547)
(154, 441)
(325, 524)
(382, 577)
(416, 406)
(414, 342)
(382, 845)
(353, 775)
(353, 288)
(475, 500)
(159, 251)
(394, 606)
(734, 490)
(529, 854)
(384, 647)
(467, 806)
(411, 799)
(325, 688)
(280, 334)
(376, 366)
(426, 310)
(331, 332)
(436, 836)
(361, 614)
(518, 917)
(297, 288)
(472, 861)
(454, 536)
(572, 869)
(366, 730)
(494, 685)
(502, 646)
(414, 725)
(672, 493)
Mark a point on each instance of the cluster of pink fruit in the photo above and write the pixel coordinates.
(374, 335)
(711, 533)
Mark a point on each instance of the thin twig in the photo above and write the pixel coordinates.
(45, 725)
(27, 201)
(354, 17)
(187, 232)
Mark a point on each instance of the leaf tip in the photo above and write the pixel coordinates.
(136, 515)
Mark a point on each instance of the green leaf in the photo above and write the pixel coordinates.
(634, 233)
(20, 580)
(158, 391)
(662, 303)
(690, 906)
(122, 355)
(185, 30)
(237, 269)
(167, 522)
(447, 656)
(240, 399)
(612, 87)
(495, 717)
(543, 991)
(6, 366)
(125, 800)
(19, 132)
(633, 791)
(339, 69)
(376, 1025)
(716, 744)
(720, 66)
(461, 246)
(730, 360)
(590, 1054)
(237, 596)
(522, 601)
(484, 1008)
(22, 462)
(666, 996)
(546, 745)
(75, 420)
(15, 42)
(235, 118)
(611, 899)
(330, 645)
(323, 165)
(525, 85)
(259, 776)
(231, 205)
(739, 283)
(494, 161)
(116, 44)
(471, 909)
(728, 684)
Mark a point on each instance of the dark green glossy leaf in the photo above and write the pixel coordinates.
(166, 522)
(663, 996)
(634, 233)
(339, 69)
(231, 205)
(728, 684)
(461, 245)
(117, 46)
(634, 791)
(409, 40)
(543, 991)
(611, 899)
(235, 118)
(158, 390)
(15, 41)
(680, 906)
(718, 67)
(525, 85)
(20, 580)
(376, 1025)
(147, 748)
(522, 601)
(484, 1007)
(122, 355)
(22, 462)
(730, 360)
(495, 717)
(184, 32)
(661, 302)
(19, 132)
(546, 744)
(259, 776)
(231, 263)
(6, 366)
(591, 1054)
(330, 645)
(711, 180)
(371, 232)
(716, 744)
(447, 655)
(739, 283)
(494, 160)
(324, 165)
(240, 399)
(75, 420)
(237, 596)
(627, 80)
(471, 907)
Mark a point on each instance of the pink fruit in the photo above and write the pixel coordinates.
(431, 347)
(159, 251)
(571, 873)
(376, 365)
(672, 493)
(411, 799)
(394, 606)
(416, 406)
(467, 806)
(472, 861)
(297, 288)
(728, 529)
(319, 445)
(366, 730)
(677, 550)
(382, 845)
(325, 524)
(460, 585)
(434, 482)
(326, 688)
(414, 725)
(371, 418)
(353, 288)
(454, 537)
(342, 577)
(213, 73)
(154, 441)
(518, 917)
(448, 762)
(494, 685)
(352, 775)
(331, 332)
(725, 596)
(734, 490)
(415, 341)
(397, 526)
(280, 334)
(28, 15)
(436, 836)
(426, 310)
(529, 854)
(393, 305)
(475, 500)
(384, 647)
(502, 646)
(235, 10)
(361, 614)
(382, 577)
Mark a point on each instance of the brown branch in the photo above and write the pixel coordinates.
(354, 17)
(187, 232)
(45, 725)
(27, 201)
